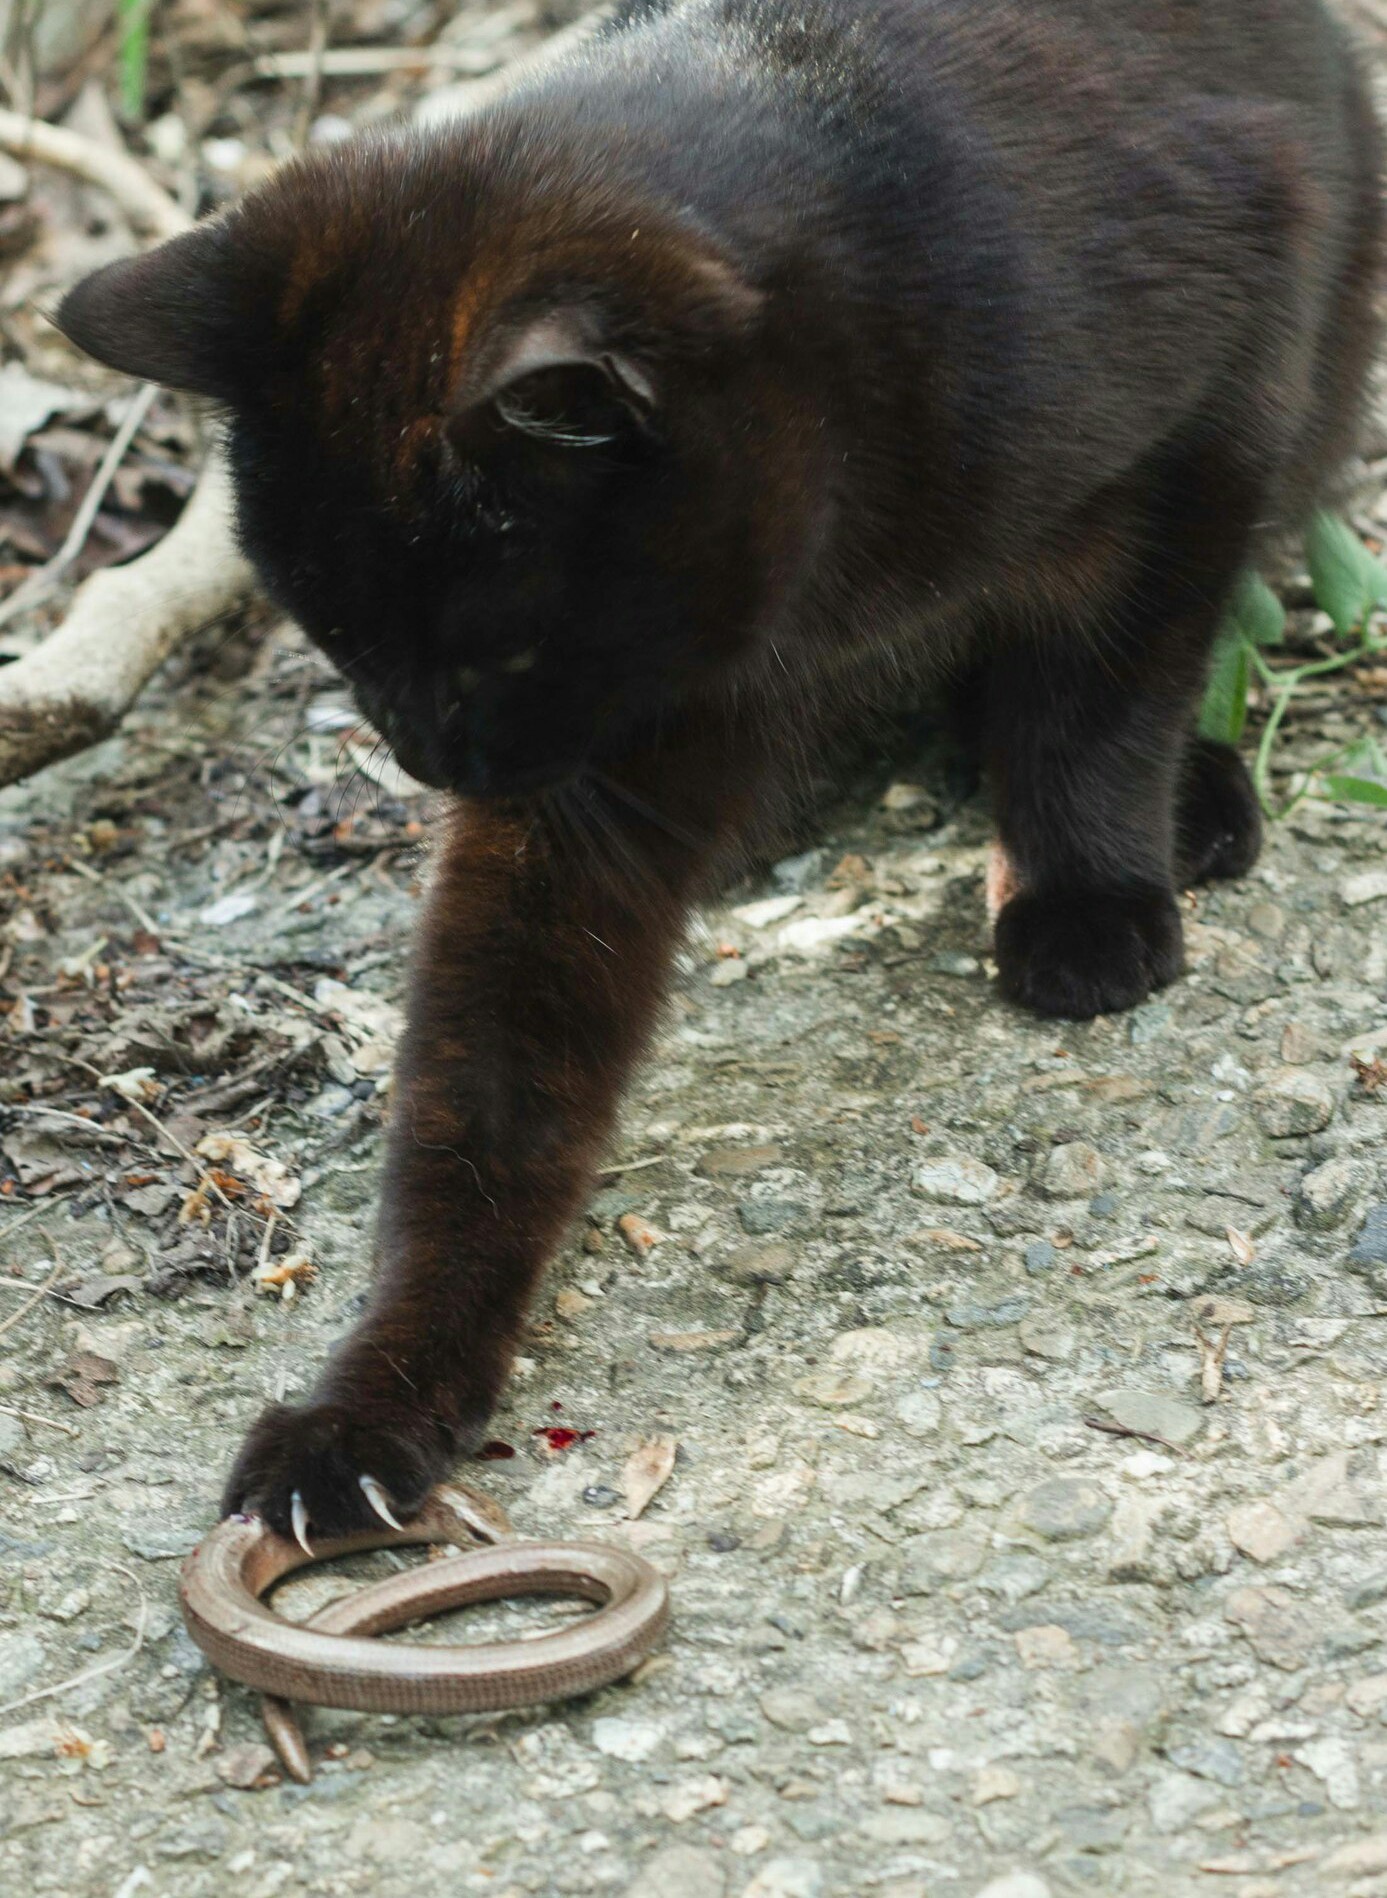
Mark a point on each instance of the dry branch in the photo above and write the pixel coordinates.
(124, 622)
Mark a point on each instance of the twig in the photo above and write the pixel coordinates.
(147, 205)
(32, 1416)
(103, 1667)
(29, 1305)
(124, 622)
(41, 582)
(364, 62)
(632, 1166)
(1124, 1430)
(314, 62)
(110, 887)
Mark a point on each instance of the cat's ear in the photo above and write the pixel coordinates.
(563, 352)
(174, 315)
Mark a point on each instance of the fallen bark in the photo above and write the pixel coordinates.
(75, 688)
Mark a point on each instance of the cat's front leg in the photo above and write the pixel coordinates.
(544, 956)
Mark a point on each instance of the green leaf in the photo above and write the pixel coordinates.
(1347, 580)
(1224, 711)
(1356, 790)
(1256, 611)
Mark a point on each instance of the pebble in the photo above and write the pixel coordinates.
(792, 1709)
(1016, 1885)
(21, 1657)
(1370, 1247)
(1359, 1859)
(1045, 1646)
(920, 1412)
(783, 1878)
(933, 1561)
(1368, 887)
(679, 1871)
(1153, 1413)
(1073, 1171)
(1293, 1103)
(1278, 1628)
(1040, 1256)
(993, 1782)
(1045, 1338)
(1262, 1531)
(905, 1825)
(1065, 1509)
(1332, 1193)
(759, 1265)
(955, 1180)
(624, 1739)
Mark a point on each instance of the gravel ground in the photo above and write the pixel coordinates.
(989, 1575)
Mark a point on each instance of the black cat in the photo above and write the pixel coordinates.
(627, 440)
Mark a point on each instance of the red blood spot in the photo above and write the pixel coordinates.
(554, 1404)
(560, 1437)
(495, 1451)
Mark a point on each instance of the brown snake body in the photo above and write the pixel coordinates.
(331, 1661)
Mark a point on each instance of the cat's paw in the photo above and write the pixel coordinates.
(1218, 820)
(1080, 953)
(315, 1471)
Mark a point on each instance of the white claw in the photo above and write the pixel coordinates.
(375, 1495)
(298, 1515)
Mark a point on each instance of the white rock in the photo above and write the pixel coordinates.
(1333, 1764)
(1368, 887)
(1016, 1885)
(772, 909)
(623, 1739)
(955, 1180)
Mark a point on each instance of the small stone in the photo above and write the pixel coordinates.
(1267, 920)
(905, 1825)
(785, 1878)
(623, 1739)
(1368, 887)
(1365, 1697)
(1016, 1885)
(955, 1180)
(1044, 1338)
(1153, 1413)
(21, 1657)
(1332, 1763)
(920, 1412)
(1370, 1247)
(1177, 1799)
(1073, 1171)
(759, 1265)
(762, 1216)
(832, 1389)
(792, 1709)
(1046, 1646)
(950, 962)
(1293, 1103)
(1014, 1578)
(994, 1782)
(248, 1767)
(1040, 1256)
(1261, 1531)
(830, 1733)
(931, 1562)
(1278, 1628)
(679, 1871)
(1065, 1509)
(1299, 1046)
(1209, 1758)
(1332, 1193)
(1362, 1857)
(691, 1796)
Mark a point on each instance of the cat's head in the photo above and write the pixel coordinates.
(498, 435)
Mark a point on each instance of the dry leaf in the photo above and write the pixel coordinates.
(1241, 1246)
(285, 1275)
(639, 1236)
(270, 1177)
(82, 1377)
(647, 1471)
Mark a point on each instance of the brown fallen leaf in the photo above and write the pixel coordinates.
(83, 1376)
(638, 1235)
(285, 1275)
(1371, 1075)
(251, 1767)
(647, 1471)
(1241, 1246)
